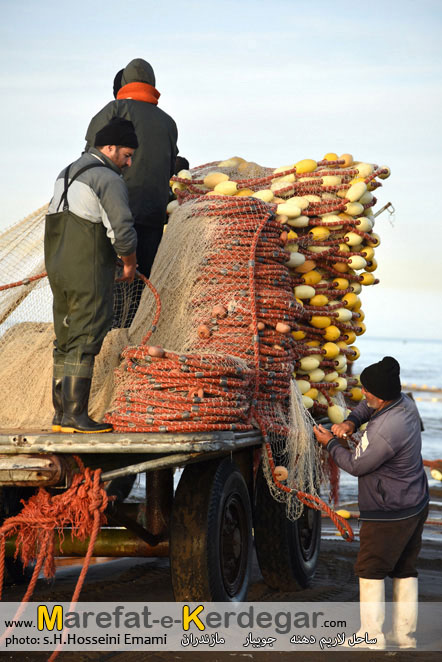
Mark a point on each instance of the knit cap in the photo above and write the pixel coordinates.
(117, 132)
(382, 379)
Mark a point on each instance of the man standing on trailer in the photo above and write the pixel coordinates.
(393, 498)
(89, 224)
(153, 164)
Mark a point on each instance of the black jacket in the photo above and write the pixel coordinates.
(154, 161)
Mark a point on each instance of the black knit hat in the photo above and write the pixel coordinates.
(117, 132)
(382, 379)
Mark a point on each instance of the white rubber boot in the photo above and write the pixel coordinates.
(372, 609)
(405, 605)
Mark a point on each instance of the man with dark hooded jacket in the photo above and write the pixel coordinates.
(154, 161)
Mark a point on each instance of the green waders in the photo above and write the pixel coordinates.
(80, 262)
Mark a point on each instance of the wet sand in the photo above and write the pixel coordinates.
(149, 580)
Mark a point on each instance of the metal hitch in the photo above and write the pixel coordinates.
(31, 470)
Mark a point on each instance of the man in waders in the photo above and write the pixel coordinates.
(89, 224)
(393, 498)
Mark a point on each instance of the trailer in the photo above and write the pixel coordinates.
(207, 522)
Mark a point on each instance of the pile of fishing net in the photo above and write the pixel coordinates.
(258, 273)
(249, 295)
(222, 354)
(327, 211)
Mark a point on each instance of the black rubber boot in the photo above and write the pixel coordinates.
(58, 404)
(75, 407)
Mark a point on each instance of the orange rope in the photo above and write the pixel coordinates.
(433, 464)
(25, 281)
(312, 501)
(96, 506)
(81, 507)
(31, 279)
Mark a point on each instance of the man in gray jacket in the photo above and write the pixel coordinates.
(154, 161)
(393, 497)
(89, 224)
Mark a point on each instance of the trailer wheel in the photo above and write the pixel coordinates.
(10, 505)
(287, 551)
(211, 534)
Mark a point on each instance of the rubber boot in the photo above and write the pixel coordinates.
(57, 401)
(372, 610)
(405, 605)
(75, 407)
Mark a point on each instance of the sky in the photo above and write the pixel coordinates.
(272, 82)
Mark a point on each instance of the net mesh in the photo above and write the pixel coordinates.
(242, 340)
(27, 335)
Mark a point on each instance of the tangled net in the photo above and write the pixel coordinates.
(236, 352)
(27, 335)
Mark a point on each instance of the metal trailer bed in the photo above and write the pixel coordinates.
(207, 525)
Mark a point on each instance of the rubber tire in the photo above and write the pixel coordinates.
(207, 495)
(10, 505)
(287, 551)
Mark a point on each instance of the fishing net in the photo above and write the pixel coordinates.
(250, 298)
(257, 274)
(26, 330)
(224, 287)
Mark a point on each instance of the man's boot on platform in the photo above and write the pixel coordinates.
(57, 402)
(75, 407)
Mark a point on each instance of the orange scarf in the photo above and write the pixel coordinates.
(139, 92)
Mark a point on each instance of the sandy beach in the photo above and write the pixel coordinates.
(149, 580)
